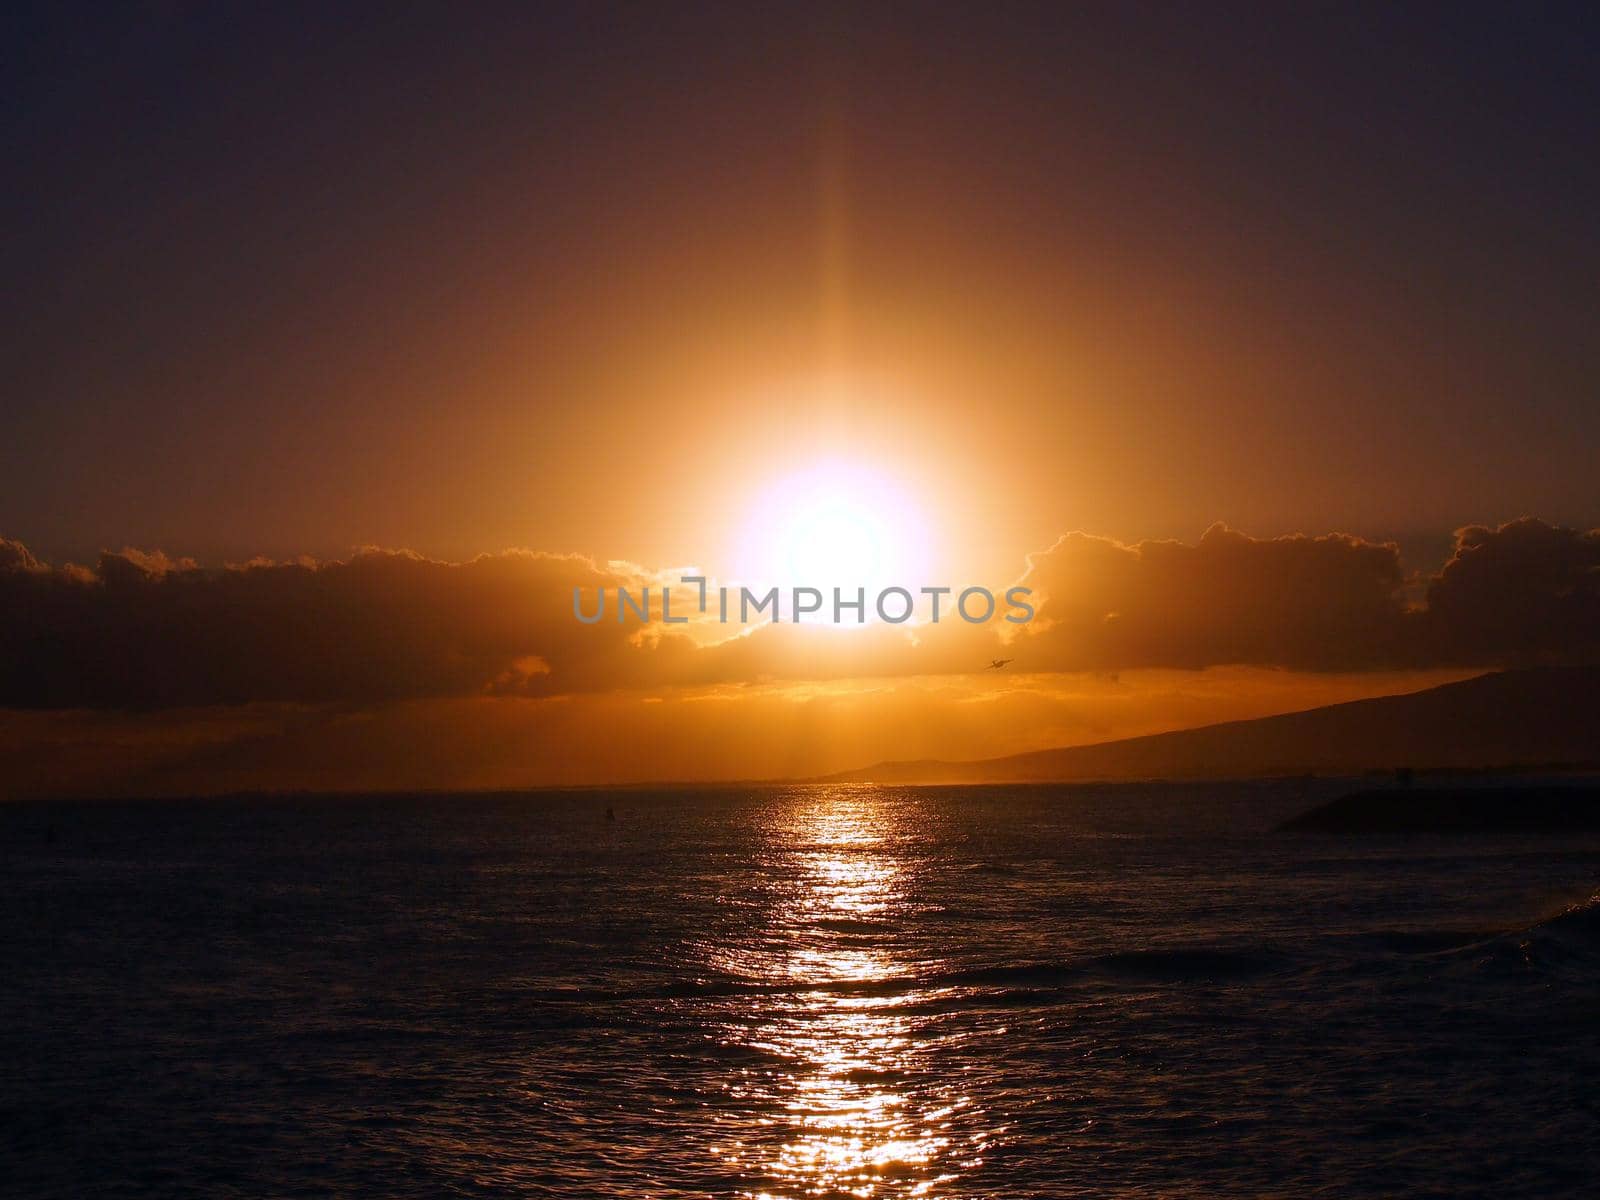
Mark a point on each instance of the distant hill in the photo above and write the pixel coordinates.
(1533, 717)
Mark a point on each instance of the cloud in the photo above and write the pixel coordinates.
(1316, 603)
(14, 557)
(1526, 593)
(143, 631)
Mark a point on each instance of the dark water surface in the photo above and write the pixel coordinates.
(795, 992)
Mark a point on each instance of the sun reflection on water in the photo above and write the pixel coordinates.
(857, 1108)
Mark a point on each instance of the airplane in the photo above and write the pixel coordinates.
(998, 663)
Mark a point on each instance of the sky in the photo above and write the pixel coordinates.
(1139, 302)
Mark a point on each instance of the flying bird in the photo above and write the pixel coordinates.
(996, 664)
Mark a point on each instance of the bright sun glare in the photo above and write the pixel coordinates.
(832, 540)
(835, 525)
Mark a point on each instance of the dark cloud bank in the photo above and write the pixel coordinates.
(142, 631)
(1523, 594)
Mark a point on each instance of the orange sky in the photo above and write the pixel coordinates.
(639, 293)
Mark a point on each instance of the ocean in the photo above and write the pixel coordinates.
(1133, 990)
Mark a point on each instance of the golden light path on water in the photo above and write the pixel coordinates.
(860, 1108)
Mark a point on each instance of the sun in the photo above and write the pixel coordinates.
(835, 525)
(833, 540)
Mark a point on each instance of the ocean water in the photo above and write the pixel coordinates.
(791, 992)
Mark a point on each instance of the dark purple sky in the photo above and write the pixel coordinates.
(311, 276)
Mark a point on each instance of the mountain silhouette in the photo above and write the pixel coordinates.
(1538, 717)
